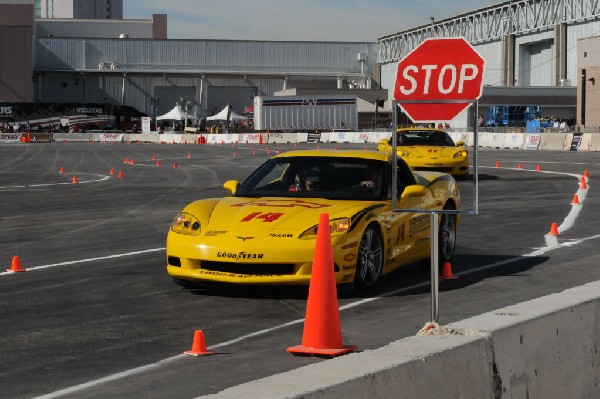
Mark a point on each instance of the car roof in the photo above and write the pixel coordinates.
(364, 154)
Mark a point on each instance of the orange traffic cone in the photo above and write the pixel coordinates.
(234, 154)
(61, 170)
(583, 183)
(111, 171)
(154, 157)
(553, 229)
(497, 164)
(575, 199)
(253, 152)
(318, 145)
(538, 168)
(198, 346)
(16, 265)
(75, 180)
(174, 166)
(126, 160)
(322, 331)
(157, 163)
(520, 166)
(189, 155)
(260, 139)
(120, 175)
(447, 271)
(586, 173)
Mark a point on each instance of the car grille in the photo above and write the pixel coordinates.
(255, 269)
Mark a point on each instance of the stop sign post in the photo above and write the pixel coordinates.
(439, 79)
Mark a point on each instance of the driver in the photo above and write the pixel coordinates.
(307, 180)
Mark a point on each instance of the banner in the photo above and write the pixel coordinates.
(10, 137)
(576, 141)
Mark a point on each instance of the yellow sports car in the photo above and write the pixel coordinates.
(265, 232)
(430, 149)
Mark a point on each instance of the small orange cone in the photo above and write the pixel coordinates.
(586, 173)
(447, 271)
(120, 175)
(538, 168)
(520, 166)
(61, 170)
(189, 155)
(126, 160)
(583, 183)
(553, 229)
(111, 171)
(157, 163)
(497, 164)
(322, 331)
(154, 157)
(575, 199)
(75, 180)
(234, 154)
(16, 265)
(318, 145)
(253, 152)
(174, 166)
(198, 346)
(132, 162)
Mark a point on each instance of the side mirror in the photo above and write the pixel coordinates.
(231, 185)
(413, 191)
(460, 143)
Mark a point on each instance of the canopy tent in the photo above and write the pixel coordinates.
(222, 116)
(176, 114)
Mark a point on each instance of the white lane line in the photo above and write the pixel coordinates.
(102, 178)
(74, 262)
(551, 244)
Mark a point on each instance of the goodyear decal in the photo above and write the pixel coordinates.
(239, 255)
(418, 224)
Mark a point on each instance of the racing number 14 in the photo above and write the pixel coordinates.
(266, 217)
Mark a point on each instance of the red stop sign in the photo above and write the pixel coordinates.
(438, 79)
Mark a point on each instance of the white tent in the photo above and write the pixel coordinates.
(222, 116)
(176, 114)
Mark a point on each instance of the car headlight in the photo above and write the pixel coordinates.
(185, 223)
(336, 227)
(461, 154)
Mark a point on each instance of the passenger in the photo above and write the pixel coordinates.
(307, 180)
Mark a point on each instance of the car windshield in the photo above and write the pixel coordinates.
(341, 178)
(424, 137)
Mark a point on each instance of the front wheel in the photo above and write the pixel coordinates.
(370, 259)
(447, 235)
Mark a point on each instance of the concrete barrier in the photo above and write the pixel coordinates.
(543, 348)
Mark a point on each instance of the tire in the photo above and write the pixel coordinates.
(446, 235)
(370, 260)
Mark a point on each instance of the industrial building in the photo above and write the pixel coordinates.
(531, 47)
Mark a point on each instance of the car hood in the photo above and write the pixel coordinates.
(274, 213)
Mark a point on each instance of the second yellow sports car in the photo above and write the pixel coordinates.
(430, 149)
(265, 232)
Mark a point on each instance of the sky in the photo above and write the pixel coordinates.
(296, 20)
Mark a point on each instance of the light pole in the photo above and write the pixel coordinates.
(187, 103)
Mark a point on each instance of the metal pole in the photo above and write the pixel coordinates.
(435, 314)
(475, 168)
(395, 154)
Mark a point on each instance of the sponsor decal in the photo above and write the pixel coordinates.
(418, 224)
(212, 233)
(281, 235)
(239, 255)
(284, 204)
(228, 274)
(401, 233)
(10, 137)
(350, 245)
(348, 268)
(243, 238)
(349, 257)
